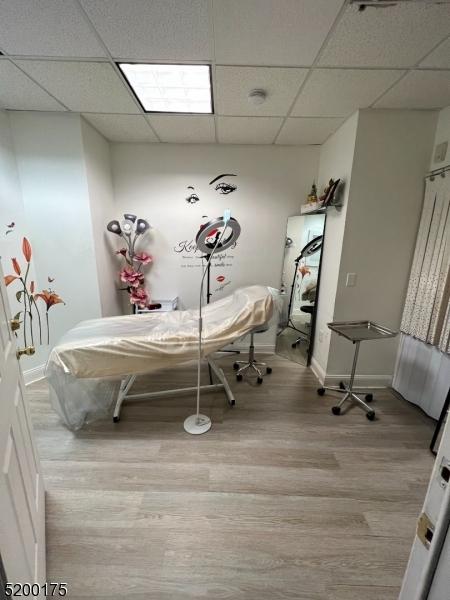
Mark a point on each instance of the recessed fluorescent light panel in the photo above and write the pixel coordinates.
(170, 88)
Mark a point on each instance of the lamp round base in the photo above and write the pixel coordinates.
(197, 425)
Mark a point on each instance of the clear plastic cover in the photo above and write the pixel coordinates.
(84, 370)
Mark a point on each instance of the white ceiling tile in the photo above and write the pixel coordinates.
(440, 57)
(397, 36)
(304, 131)
(82, 86)
(122, 128)
(184, 129)
(46, 28)
(268, 32)
(339, 92)
(419, 89)
(248, 130)
(18, 92)
(153, 30)
(233, 85)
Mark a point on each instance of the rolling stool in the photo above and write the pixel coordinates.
(251, 363)
(309, 309)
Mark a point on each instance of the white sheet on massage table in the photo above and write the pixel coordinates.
(84, 367)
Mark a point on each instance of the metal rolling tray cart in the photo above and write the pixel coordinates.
(356, 332)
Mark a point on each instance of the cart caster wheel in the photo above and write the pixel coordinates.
(369, 397)
(321, 391)
(238, 377)
(336, 410)
(370, 415)
(269, 370)
(259, 380)
(235, 366)
(341, 385)
(116, 419)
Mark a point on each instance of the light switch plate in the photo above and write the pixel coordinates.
(441, 152)
(351, 280)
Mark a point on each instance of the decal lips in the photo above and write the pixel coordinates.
(220, 278)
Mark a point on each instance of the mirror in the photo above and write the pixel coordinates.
(299, 287)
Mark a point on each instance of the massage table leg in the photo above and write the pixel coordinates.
(128, 382)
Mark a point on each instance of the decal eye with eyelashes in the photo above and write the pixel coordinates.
(225, 188)
(192, 198)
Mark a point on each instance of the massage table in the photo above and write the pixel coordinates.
(96, 363)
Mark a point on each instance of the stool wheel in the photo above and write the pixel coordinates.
(235, 366)
(336, 410)
(269, 370)
(294, 345)
(369, 397)
(238, 377)
(116, 419)
(371, 415)
(321, 391)
(341, 385)
(233, 402)
(259, 380)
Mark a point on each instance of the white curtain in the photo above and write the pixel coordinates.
(426, 315)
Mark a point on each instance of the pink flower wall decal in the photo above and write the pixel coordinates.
(131, 277)
(139, 296)
(143, 258)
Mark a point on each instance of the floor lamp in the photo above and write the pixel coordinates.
(217, 235)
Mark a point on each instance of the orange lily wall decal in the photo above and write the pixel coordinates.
(27, 297)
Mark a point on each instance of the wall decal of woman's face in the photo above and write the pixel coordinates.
(222, 186)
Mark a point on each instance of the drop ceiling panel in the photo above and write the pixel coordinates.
(303, 131)
(153, 30)
(46, 28)
(82, 86)
(247, 130)
(18, 92)
(184, 129)
(419, 89)
(397, 36)
(122, 128)
(233, 85)
(264, 32)
(339, 92)
(440, 57)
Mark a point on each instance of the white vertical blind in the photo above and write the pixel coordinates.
(426, 314)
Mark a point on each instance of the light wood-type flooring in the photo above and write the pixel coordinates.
(279, 500)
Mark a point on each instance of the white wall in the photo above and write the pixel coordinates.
(50, 161)
(336, 161)
(151, 181)
(442, 135)
(101, 196)
(385, 195)
(12, 211)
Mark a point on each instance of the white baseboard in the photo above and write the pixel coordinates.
(364, 381)
(317, 370)
(32, 375)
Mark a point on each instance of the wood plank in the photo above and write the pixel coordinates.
(281, 500)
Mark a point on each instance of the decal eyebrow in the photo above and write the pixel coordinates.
(190, 187)
(220, 177)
